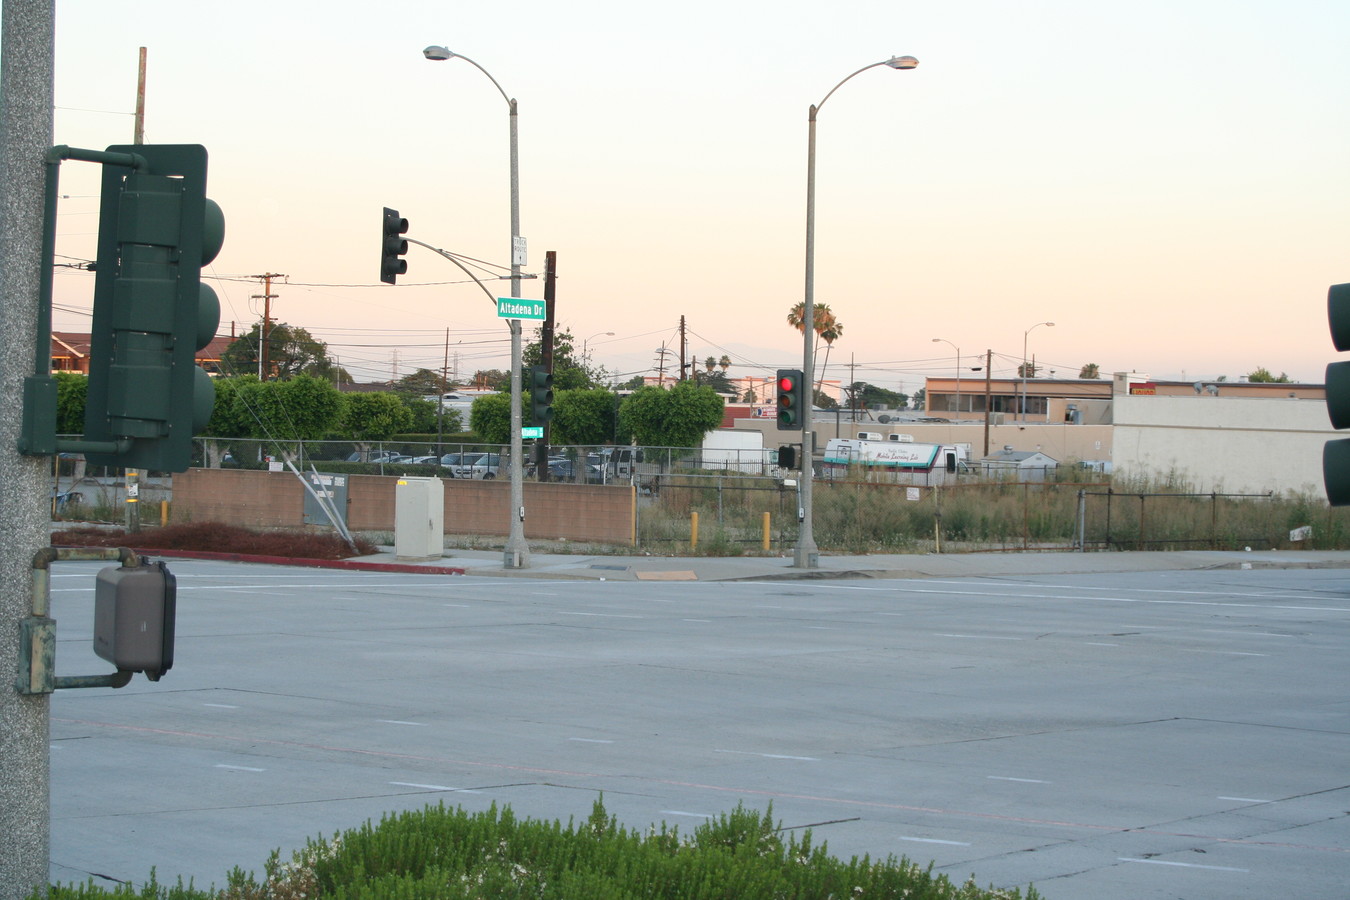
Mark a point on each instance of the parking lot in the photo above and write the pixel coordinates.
(1130, 735)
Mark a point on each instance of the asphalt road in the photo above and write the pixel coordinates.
(1129, 735)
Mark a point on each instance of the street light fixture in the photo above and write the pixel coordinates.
(1025, 334)
(806, 555)
(517, 554)
(958, 372)
(584, 354)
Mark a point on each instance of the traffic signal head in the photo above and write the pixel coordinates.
(151, 311)
(393, 246)
(791, 399)
(539, 383)
(1336, 454)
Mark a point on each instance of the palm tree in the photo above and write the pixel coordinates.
(822, 319)
(833, 330)
(724, 362)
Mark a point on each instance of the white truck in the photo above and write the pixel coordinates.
(905, 462)
(737, 451)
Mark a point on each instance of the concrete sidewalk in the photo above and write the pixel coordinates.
(489, 563)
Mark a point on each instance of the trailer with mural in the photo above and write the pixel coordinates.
(898, 461)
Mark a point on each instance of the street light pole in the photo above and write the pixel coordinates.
(585, 355)
(807, 555)
(1025, 335)
(958, 372)
(517, 555)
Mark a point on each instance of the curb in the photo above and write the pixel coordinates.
(357, 565)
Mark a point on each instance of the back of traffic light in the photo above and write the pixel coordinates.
(146, 397)
(393, 246)
(1336, 454)
(539, 383)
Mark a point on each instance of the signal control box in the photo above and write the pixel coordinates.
(135, 608)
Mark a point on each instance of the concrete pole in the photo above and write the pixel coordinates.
(27, 53)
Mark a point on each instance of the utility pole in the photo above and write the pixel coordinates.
(264, 362)
(988, 391)
(546, 353)
(138, 133)
(684, 366)
(27, 65)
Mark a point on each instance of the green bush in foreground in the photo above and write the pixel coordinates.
(442, 853)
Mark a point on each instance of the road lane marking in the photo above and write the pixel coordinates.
(1166, 862)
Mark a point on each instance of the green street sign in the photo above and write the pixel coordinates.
(518, 308)
(531, 431)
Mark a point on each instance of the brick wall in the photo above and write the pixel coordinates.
(576, 512)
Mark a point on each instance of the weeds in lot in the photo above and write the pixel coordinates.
(437, 853)
(215, 537)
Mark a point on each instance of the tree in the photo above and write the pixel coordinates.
(831, 332)
(870, 396)
(584, 417)
(231, 418)
(421, 383)
(492, 380)
(291, 351)
(281, 412)
(490, 418)
(570, 372)
(920, 400)
(71, 393)
(1090, 371)
(679, 417)
(373, 416)
(1263, 376)
(1026, 370)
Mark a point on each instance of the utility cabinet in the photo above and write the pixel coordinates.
(419, 518)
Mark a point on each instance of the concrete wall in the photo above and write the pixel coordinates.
(1235, 444)
(575, 512)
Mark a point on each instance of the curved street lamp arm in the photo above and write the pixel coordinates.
(450, 256)
(509, 101)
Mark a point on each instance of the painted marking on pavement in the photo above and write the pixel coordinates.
(239, 768)
(676, 812)
(1244, 800)
(1167, 862)
(590, 741)
(401, 722)
(770, 755)
(433, 787)
(1022, 780)
(919, 840)
(220, 706)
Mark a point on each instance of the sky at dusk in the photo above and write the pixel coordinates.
(1165, 180)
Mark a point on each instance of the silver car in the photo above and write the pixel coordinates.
(484, 467)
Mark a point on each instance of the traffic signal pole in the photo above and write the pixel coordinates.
(27, 54)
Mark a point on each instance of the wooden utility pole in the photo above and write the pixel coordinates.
(684, 366)
(546, 353)
(264, 362)
(138, 133)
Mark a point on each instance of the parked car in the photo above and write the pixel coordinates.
(566, 470)
(375, 456)
(484, 467)
(425, 460)
(452, 461)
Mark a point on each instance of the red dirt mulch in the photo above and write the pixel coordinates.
(214, 537)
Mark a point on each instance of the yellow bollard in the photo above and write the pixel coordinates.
(766, 533)
(693, 530)
(163, 513)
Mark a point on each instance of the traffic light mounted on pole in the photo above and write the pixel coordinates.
(790, 399)
(540, 385)
(1336, 454)
(393, 246)
(147, 396)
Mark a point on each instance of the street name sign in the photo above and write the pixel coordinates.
(519, 308)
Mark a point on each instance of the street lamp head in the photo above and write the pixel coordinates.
(437, 53)
(902, 62)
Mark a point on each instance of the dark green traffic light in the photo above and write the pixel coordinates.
(393, 246)
(539, 383)
(1336, 454)
(790, 399)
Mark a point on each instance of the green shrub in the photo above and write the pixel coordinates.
(450, 854)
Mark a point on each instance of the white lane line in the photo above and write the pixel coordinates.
(220, 706)
(919, 840)
(1021, 780)
(676, 812)
(703, 621)
(1244, 800)
(977, 637)
(1166, 862)
(566, 612)
(1222, 652)
(401, 722)
(433, 787)
(769, 755)
(239, 768)
(590, 741)
(1099, 644)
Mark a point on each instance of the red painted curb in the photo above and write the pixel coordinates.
(357, 565)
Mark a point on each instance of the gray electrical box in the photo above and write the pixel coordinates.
(419, 518)
(134, 615)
